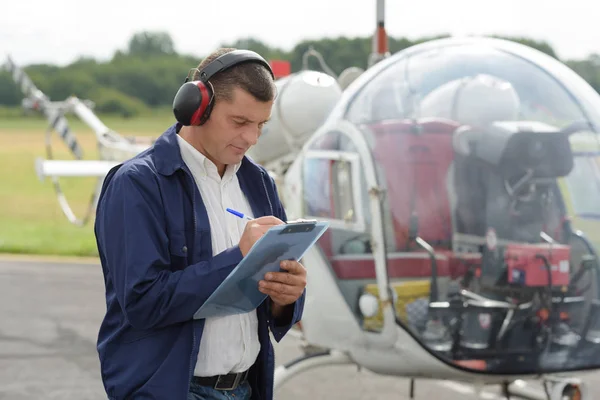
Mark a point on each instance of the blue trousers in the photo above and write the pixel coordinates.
(242, 392)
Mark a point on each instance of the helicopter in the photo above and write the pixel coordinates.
(461, 181)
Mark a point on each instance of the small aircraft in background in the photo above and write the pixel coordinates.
(461, 181)
(112, 147)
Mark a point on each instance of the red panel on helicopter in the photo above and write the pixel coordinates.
(526, 265)
(404, 265)
(400, 265)
(416, 158)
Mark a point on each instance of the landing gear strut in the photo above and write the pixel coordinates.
(569, 390)
(330, 357)
(554, 389)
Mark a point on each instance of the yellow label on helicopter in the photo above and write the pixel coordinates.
(411, 301)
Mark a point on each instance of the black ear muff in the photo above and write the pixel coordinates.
(191, 103)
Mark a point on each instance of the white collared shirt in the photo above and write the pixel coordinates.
(229, 344)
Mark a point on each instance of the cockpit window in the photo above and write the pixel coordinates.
(581, 187)
(384, 98)
(584, 185)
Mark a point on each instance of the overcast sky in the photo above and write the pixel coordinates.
(59, 31)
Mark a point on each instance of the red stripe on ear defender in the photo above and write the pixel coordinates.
(195, 120)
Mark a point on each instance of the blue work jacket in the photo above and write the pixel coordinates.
(153, 236)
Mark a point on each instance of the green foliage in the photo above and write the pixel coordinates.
(588, 69)
(11, 113)
(542, 45)
(112, 101)
(10, 95)
(151, 43)
(149, 71)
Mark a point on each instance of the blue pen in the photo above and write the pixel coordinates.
(238, 214)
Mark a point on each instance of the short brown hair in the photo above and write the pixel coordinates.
(249, 76)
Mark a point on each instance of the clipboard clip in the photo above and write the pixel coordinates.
(299, 225)
(302, 221)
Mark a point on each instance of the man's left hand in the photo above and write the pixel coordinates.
(284, 288)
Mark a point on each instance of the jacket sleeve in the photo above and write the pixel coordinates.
(134, 247)
(293, 314)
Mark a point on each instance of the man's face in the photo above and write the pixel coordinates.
(233, 127)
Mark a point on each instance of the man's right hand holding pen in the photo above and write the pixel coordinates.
(255, 229)
(283, 288)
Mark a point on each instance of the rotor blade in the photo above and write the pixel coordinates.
(74, 168)
(111, 142)
(52, 110)
(24, 82)
(88, 116)
(59, 123)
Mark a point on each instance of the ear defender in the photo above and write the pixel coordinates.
(191, 103)
(194, 100)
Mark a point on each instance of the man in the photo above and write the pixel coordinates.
(166, 243)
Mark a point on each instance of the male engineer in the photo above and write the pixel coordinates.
(166, 242)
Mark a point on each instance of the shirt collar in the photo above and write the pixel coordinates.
(191, 155)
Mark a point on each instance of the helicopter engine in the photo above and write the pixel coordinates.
(507, 192)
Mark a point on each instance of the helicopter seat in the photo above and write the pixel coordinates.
(415, 158)
(414, 155)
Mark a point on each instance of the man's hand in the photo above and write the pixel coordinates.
(284, 288)
(254, 230)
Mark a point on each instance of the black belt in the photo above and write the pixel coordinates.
(221, 382)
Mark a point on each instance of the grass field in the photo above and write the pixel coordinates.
(31, 220)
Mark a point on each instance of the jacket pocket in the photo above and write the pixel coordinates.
(178, 249)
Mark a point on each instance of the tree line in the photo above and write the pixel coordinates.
(148, 72)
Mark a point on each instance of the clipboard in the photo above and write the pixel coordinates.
(239, 293)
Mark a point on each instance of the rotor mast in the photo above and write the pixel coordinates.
(380, 40)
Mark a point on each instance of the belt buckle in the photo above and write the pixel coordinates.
(220, 378)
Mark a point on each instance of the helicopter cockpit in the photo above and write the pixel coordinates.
(487, 168)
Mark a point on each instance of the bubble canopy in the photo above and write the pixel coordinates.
(489, 160)
(486, 72)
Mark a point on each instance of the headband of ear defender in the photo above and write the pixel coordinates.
(195, 99)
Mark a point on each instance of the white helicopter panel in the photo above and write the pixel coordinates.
(341, 329)
(303, 101)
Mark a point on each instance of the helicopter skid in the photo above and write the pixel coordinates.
(283, 373)
(72, 168)
(554, 388)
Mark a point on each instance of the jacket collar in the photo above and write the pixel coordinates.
(168, 158)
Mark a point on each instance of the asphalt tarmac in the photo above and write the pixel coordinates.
(50, 313)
